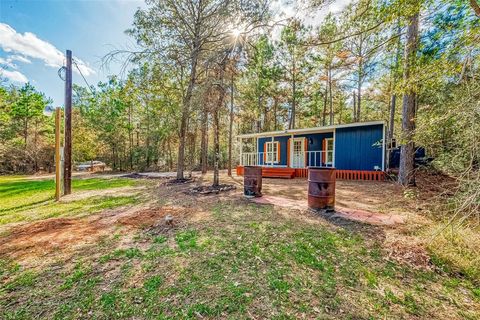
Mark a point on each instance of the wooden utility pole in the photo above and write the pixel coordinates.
(58, 159)
(67, 170)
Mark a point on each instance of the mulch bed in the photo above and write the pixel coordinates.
(179, 181)
(140, 176)
(204, 190)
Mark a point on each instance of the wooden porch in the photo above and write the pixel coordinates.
(290, 173)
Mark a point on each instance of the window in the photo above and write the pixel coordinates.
(329, 151)
(272, 151)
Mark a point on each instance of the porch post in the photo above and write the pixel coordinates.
(383, 148)
(333, 153)
(241, 151)
(291, 151)
(257, 156)
(271, 163)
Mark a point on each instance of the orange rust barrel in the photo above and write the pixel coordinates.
(252, 181)
(321, 188)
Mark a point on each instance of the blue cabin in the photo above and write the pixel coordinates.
(356, 150)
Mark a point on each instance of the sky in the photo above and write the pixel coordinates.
(34, 35)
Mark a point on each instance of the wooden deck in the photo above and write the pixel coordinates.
(290, 173)
(285, 173)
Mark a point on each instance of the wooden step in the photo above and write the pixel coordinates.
(286, 173)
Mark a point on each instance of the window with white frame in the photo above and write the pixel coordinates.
(329, 151)
(272, 151)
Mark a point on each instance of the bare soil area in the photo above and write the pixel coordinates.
(39, 243)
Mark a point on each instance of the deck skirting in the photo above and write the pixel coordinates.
(303, 173)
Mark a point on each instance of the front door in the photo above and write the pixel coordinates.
(298, 160)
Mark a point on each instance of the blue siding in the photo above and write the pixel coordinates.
(316, 145)
(283, 148)
(355, 150)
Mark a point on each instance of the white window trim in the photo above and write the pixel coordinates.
(300, 139)
(275, 154)
(327, 150)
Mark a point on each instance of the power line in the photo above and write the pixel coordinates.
(88, 85)
(60, 73)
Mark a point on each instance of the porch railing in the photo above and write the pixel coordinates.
(249, 159)
(319, 158)
(300, 159)
(257, 159)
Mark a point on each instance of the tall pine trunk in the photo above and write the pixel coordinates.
(25, 131)
(216, 144)
(406, 176)
(325, 99)
(359, 94)
(216, 124)
(147, 140)
(204, 142)
(359, 83)
(193, 147)
(275, 106)
(130, 136)
(354, 105)
(293, 114)
(230, 131)
(186, 113)
(393, 101)
(391, 121)
(330, 94)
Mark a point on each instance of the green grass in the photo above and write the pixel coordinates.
(248, 260)
(23, 199)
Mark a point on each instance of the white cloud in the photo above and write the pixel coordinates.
(14, 76)
(20, 58)
(7, 63)
(29, 45)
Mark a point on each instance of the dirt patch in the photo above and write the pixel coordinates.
(35, 243)
(150, 217)
(37, 240)
(362, 216)
(373, 218)
(281, 202)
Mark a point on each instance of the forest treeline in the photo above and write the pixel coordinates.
(204, 71)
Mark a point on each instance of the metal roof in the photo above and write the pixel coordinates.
(310, 130)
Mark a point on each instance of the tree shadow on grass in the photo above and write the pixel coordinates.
(18, 187)
(25, 206)
(366, 231)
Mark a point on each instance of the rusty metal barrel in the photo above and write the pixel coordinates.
(252, 181)
(321, 188)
